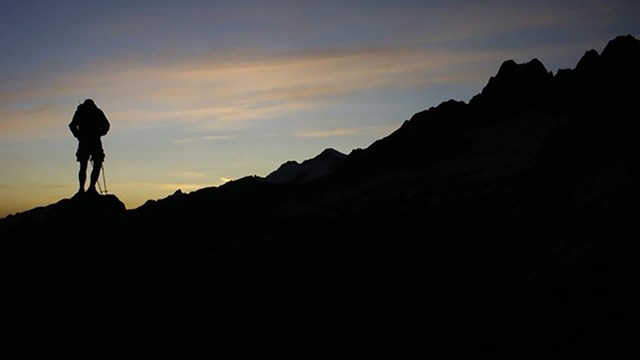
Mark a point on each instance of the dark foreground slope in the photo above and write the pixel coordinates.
(505, 227)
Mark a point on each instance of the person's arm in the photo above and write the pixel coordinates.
(73, 126)
(105, 126)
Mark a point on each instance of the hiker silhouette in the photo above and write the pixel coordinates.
(88, 125)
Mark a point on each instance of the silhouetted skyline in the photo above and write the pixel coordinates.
(202, 92)
(500, 228)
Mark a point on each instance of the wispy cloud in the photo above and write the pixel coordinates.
(213, 93)
(214, 137)
(325, 133)
(337, 132)
(37, 121)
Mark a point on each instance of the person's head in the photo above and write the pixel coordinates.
(89, 102)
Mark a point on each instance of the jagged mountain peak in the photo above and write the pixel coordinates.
(330, 152)
(516, 89)
(512, 69)
(588, 61)
(622, 48)
(515, 85)
(319, 166)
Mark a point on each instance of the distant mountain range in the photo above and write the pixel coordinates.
(501, 228)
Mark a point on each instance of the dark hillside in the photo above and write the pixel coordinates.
(502, 228)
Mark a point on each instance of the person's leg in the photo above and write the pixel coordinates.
(82, 174)
(95, 175)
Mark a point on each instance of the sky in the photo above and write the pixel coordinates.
(202, 92)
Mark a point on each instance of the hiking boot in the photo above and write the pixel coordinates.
(79, 194)
(92, 191)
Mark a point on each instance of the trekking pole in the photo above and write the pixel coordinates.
(104, 180)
